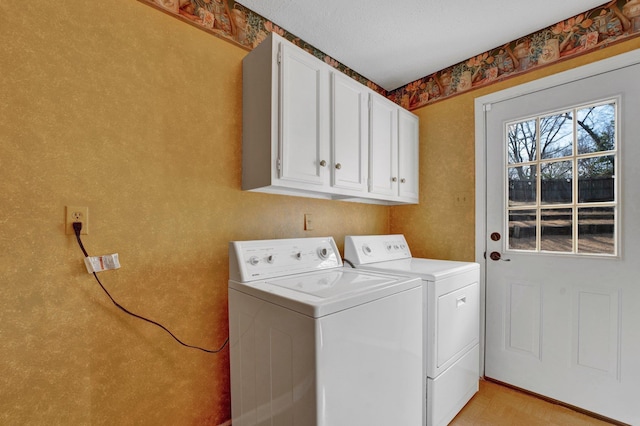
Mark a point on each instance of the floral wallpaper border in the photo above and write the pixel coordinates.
(597, 28)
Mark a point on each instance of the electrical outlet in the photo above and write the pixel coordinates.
(77, 214)
(308, 222)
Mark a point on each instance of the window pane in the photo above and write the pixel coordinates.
(522, 141)
(596, 230)
(556, 230)
(561, 172)
(596, 129)
(596, 180)
(522, 185)
(522, 229)
(556, 180)
(556, 136)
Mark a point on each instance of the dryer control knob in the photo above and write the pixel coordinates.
(253, 260)
(271, 258)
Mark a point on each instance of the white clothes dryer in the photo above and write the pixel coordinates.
(451, 318)
(314, 343)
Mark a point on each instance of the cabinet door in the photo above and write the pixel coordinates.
(349, 133)
(303, 145)
(383, 147)
(408, 155)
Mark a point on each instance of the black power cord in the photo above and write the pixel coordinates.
(77, 227)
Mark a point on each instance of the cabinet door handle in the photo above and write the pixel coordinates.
(394, 179)
(403, 180)
(338, 166)
(323, 163)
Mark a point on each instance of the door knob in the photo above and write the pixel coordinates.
(495, 255)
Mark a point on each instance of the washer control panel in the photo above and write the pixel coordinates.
(259, 259)
(363, 249)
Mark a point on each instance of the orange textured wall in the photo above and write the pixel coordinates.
(142, 124)
(119, 107)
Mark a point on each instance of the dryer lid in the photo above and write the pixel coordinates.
(426, 269)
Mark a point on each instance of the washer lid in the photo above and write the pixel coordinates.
(322, 293)
(427, 269)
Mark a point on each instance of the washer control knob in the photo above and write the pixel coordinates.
(366, 249)
(298, 256)
(271, 258)
(323, 252)
(253, 260)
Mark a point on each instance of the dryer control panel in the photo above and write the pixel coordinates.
(363, 249)
(253, 260)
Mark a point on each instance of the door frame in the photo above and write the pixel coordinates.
(483, 102)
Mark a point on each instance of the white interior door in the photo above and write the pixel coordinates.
(562, 238)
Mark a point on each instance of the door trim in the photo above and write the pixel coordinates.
(482, 104)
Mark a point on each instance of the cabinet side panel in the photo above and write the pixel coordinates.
(257, 125)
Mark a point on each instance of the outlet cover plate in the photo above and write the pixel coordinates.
(77, 214)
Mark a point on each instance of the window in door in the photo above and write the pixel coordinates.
(561, 174)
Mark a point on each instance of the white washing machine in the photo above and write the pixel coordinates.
(314, 343)
(451, 318)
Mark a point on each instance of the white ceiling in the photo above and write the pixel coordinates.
(393, 43)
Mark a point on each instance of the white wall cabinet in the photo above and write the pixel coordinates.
(303, 149)
(383, 160)
(309, 130)
(349, 135)
(408, 149)
(285, 121)
(393, 160)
